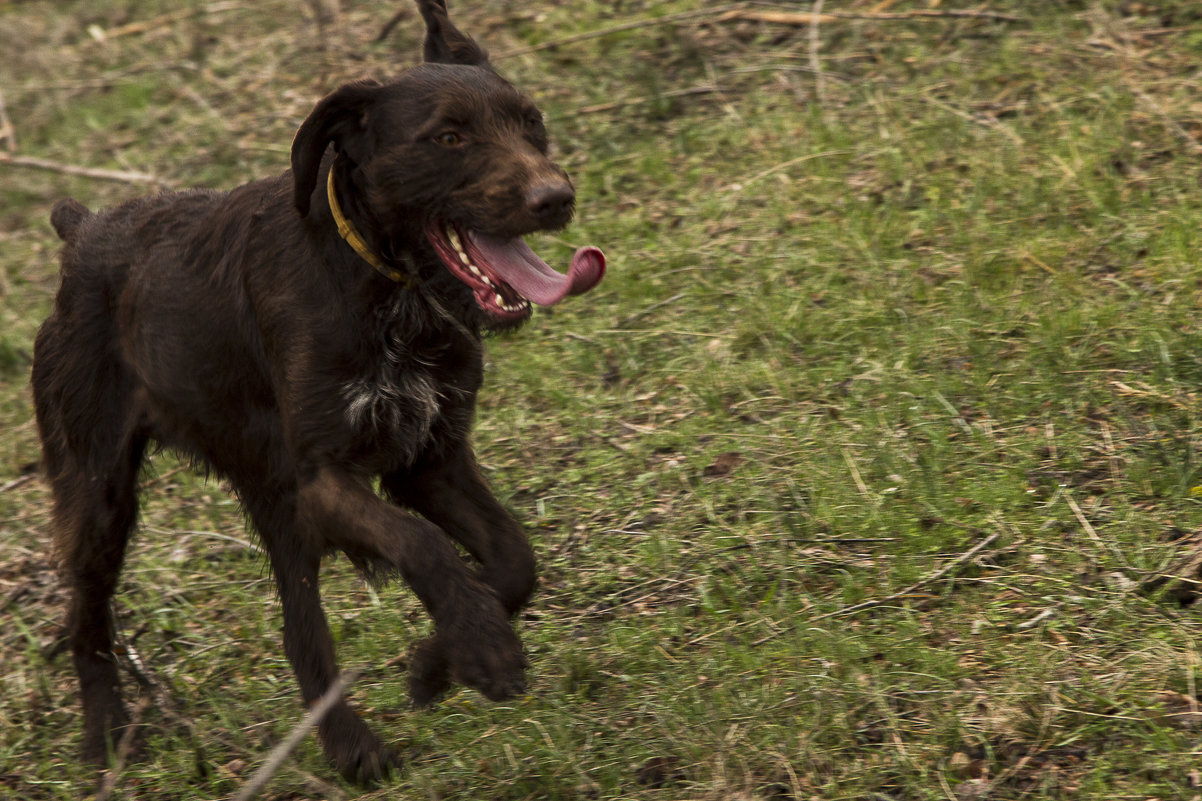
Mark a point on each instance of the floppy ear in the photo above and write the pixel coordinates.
(446, 44)
(340, 118)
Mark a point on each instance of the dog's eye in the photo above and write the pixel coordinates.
(448, 139)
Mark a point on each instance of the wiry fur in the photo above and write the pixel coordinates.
(242, 331)
(397, 390)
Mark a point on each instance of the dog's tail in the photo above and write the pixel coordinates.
(67, 216)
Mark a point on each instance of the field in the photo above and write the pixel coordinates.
(870, 472)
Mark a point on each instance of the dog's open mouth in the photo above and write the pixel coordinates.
(506, 275)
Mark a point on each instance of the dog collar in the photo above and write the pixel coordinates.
(347, 230)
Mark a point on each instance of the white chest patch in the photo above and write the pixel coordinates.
(396, 394)
(392, 399)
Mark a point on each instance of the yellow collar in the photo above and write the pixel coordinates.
(347, 230)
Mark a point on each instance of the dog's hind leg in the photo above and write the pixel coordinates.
(92, 450)
(356, 752)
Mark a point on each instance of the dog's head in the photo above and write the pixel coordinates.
(448, 165)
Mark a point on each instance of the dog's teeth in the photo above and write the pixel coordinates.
(457, 245)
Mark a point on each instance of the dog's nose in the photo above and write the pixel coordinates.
(550, 199)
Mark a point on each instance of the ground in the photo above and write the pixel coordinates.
(869, 472)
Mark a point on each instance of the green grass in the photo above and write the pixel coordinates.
(855, 323)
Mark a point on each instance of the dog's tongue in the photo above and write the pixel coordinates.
(517, 265)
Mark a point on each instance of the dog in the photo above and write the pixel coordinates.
(304, 337)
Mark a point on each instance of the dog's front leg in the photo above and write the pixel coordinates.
(453, 494)
(295, 559)
(348, 742)
(473, 642)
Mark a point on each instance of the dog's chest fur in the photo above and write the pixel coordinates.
(414, 384)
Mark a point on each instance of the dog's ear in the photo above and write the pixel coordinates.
(340, 118)
(446, 44)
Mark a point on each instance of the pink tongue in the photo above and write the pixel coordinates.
(516, 264)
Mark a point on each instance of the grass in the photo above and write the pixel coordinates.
(856, 322)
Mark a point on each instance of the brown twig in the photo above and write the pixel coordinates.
(626, 26)
(634, 101)
(739, 186)
(395, 20)
(150, 482)
(951, 566)
(125, 747)
(85, 172)
(873, 603)
(163, 20)
(1092, 533)
(855, 473)
(280, 753)
(1180, 132)
(735, 11)
(641, 313)
(808, 18)
(987, 122)
(18, 481)
(7, 132)
(1184, 570)
(815, 60)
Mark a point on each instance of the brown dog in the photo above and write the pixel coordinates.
(301, 336)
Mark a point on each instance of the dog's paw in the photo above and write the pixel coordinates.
(366, 766)
(428, 674)
(486, 655)
(358, 754)
(481, 652)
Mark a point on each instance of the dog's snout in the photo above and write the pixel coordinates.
(551, 200)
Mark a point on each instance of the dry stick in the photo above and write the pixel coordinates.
(161, 696)
(1092, 533)
(1042, 616)
(815, 62)
(86, 172)
(634, 101)
(628, 26)
(875, 602)
(810, 18)
(7, 131)
(16, 482)
(739, 186)
(299, 731)
(1184, 570)
(164, 20)
(625, 321)
(392, 23)
(780, 17)
(124, 748)
(1168, 120)
(985, 121)
(164, 476)
(737, 11)
(855, 473)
